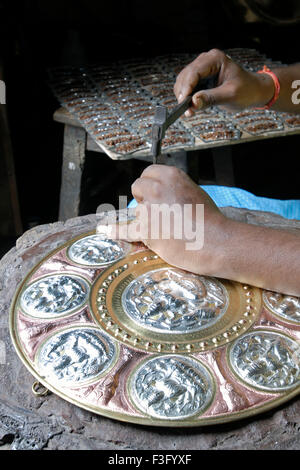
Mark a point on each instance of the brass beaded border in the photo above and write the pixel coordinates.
(248, 317)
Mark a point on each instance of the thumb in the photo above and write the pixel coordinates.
(222, 94)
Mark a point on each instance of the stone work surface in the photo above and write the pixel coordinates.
(30, 422)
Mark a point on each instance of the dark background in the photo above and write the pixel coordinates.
(35, 35)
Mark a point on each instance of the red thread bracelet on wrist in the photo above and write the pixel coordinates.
(276, 85)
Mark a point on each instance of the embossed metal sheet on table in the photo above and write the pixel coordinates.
(112, 328)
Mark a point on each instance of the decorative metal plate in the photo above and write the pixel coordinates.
(112, 328)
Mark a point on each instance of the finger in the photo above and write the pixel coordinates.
(206, 65)
(222, 94)
(189, 112)
(186, 81)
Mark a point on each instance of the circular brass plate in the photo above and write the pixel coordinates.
(149, 343)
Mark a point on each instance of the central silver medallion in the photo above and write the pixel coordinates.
(172, 300)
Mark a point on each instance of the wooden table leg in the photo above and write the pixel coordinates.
(11, 223)
(73, 162)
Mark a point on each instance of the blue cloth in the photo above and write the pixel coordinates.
(236, 197)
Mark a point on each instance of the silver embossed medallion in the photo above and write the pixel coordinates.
(285, 306)
(172, 300)
(172, 387)
(55, 295)
(75, 355)
(267, 360)
(95, 250)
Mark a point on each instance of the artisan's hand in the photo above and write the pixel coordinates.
(236, 88)
(160, 184)
(261, 256)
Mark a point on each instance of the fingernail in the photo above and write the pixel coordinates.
(180, 97)
(199, 102)
(188, 113)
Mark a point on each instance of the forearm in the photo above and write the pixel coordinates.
(264, 257)
(289, 96)
(261, 256)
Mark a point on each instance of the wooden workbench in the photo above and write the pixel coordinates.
(77, 141)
